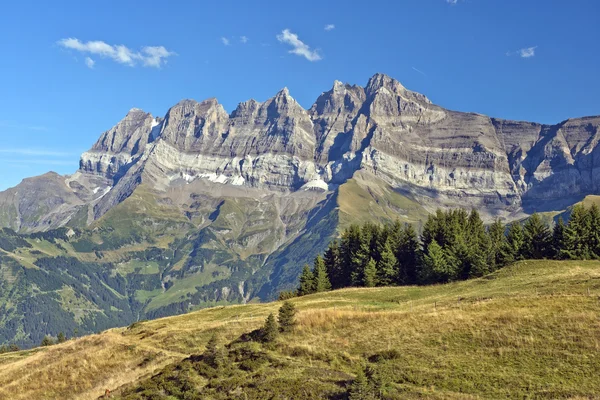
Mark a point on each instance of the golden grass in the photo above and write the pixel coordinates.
(530, 328)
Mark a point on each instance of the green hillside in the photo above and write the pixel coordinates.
(527, 331)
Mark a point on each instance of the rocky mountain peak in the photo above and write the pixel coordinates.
(384, 84)
(381, 81)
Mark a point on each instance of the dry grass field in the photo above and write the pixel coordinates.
(531, 330)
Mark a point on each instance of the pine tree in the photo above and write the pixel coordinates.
(407, 254)
(307, 282)
(497, 243)
(537, 238)
(477, 247)
(352, 254)
(333, 265)
(321, 280)
(594, 231)
(435, 265)
(47, 341)
(270, 330)
(61, 338)
(558, 239)
(513, 249)
(370, 274)
(287, 317)
(577, 235)
(213, 355)
(360, 258)
(387, 268)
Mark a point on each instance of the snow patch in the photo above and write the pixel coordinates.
(238, 181)
(316, 184)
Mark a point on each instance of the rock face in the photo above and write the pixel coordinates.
(438, 156)
(203, 207)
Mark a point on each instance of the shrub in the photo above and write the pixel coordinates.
(287, 317)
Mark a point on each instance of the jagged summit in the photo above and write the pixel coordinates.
(443, 157)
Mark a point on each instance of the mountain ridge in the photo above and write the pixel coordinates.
(203, 207)
(348, 128)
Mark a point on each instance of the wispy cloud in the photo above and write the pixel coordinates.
(89, 62)
(526, 52)
(12, 125)
(419, 71)
(329, 27)
(36, 152)
(453, 2)
(244, 39)
(298, 46)
(148, 56)
(225, 41)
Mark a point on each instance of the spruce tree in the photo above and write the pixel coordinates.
(577, 234)
(287, 317)
(333, 265)
(307, 282)
(407, 254)
(435, 266)
(537, 238)
(387, 268)
(321, 280)
(594, 231)
(477, 247)
(360, 258)
(497, 243)
(370, 274)
(558, 239)
(61, 338)
(515, 239)
(270, 330)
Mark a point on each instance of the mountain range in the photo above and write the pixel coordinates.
(202, 207)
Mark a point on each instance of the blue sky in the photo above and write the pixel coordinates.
(71, 70)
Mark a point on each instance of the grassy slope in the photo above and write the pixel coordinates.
(366, 198)
(528, 330)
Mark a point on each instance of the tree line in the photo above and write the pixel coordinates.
(453, 245)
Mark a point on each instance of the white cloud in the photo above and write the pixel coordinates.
(89, 62)
(244, 39)
(453, 2)
(298, 47)
(329, 27)
(149, 56)
(527, 52)
(225, 41)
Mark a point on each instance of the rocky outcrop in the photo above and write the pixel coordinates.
(441, 157)
(121, 145)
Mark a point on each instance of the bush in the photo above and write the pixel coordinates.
(47, 341)
(270, 330)
(287, 317)
(287, 294)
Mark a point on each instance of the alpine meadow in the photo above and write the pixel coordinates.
(343, 234)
